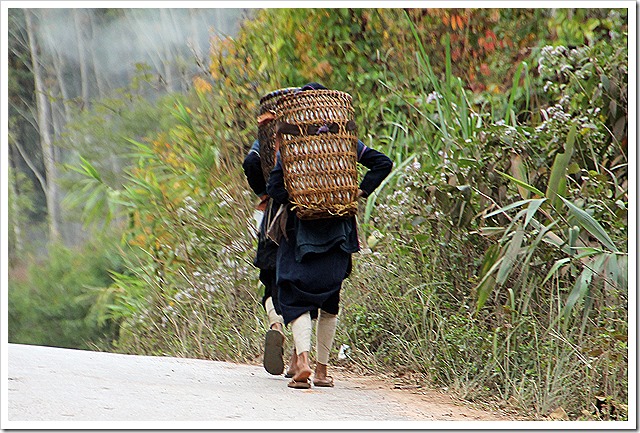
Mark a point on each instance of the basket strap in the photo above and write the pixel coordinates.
(288, 128)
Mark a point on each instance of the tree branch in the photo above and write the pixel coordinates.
(34, 169)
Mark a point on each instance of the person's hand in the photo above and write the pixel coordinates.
(360, 193)
(263, 202)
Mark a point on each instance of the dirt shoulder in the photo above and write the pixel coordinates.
(422, 403)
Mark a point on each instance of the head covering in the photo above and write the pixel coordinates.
(313, 86)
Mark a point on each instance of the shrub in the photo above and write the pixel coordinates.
(50, 303)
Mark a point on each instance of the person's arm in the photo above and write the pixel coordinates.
(253, 171)
(275, 186)
(379, 166)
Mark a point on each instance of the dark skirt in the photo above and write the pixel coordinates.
(312, 283)
(265, 258)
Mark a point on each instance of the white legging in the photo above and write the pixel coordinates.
(271, 313)
(325, 333)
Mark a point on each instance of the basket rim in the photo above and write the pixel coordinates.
(278, 92)
(292, 95)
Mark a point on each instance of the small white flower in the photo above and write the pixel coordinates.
(433, 96)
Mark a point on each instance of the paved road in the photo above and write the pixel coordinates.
(53, 384)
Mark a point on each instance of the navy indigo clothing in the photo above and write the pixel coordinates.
(315, 255)
(265, 258)
(266, 252)
(311, 283)
(268, 279)
(253, 170)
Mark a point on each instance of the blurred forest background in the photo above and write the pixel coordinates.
(494, 261)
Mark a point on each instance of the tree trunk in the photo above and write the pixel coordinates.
(46, 141)
(59, 66)
(14, 210)
(84, 71)
(166, 57)
(101, 79)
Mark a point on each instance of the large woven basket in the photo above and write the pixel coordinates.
(267, 129)
(318, 150)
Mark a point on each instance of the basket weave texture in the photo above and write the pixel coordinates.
(318, 150)
(267, 130)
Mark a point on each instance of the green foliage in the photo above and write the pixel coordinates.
(50, 300)
(19, 207)
(189, 277)
(521, 305)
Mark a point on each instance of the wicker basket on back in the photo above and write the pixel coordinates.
(318, 150)
(267, 129)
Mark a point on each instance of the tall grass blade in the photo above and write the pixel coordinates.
(490, 263)
(623, 273)
(465, 123)
(510, 206)
(525, 185)
(447, 71)
(532, 209)
(558, 180)
(510, 256)
(519, 171)
(510, 113)
(557, 265)
(581, 287)
(587, 222)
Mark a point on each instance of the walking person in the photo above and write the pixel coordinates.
(265, 260)
(313, 259)
(256, 167)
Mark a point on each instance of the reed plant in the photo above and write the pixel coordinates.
(489, 271)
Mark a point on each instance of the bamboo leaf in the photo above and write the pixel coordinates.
(558, 176)
(182, 115)
(510, 256)
(586, 252)
(484, 289)
(557, 265)
(514, 221)
(623, 274)
(144, 150)
(525, 185)
(490, 263)
(447, 71)
(581, 287)
(589, 223)
(512, 299)
(90, 169)
(465, 124)
(532, 209)
(490, 231)
(580, 290)
(519, 171)
(611, 269)
(509, 207)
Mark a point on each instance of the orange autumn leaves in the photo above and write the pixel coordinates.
(473, 42)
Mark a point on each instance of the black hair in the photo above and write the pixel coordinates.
(313, 86)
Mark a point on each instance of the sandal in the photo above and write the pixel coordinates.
(302, 384)
(273, 352)
(323, 383)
